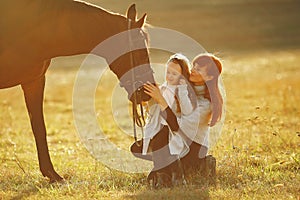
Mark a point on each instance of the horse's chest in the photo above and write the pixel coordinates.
(16, 70)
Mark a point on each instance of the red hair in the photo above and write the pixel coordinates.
(213, 68)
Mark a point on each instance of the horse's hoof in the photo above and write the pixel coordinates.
(53, 177)
(57, 180)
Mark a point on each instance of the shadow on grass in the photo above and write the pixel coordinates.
(188, 193)
(25, 192)
(20, 189)
(197, 188)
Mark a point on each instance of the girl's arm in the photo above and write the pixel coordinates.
(166, 111)
(154, 92)
(185, 103)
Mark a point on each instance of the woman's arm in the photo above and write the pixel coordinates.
(166, 112)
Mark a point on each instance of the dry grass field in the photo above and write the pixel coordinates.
(258, 152)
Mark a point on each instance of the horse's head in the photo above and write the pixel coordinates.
(133, 66)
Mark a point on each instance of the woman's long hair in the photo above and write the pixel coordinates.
(214, 68)
(185, 72)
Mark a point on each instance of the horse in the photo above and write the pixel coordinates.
(35, 31)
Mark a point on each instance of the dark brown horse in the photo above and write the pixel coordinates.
(34, 31)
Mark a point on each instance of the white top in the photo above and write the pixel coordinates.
(155, 122)
(196, 125)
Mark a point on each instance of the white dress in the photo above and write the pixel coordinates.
(155, 122)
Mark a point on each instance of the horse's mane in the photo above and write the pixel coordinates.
(100, 9)
(144, 28)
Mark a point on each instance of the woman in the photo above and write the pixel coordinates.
(194, 128)
(204, 76)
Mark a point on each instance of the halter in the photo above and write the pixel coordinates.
(138, 119)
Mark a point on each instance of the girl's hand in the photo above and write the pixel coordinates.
(182, 81)
(154, 92)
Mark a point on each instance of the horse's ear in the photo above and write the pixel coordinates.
(131, 12)
(141, 21)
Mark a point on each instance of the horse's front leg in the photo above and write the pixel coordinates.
(34, 96)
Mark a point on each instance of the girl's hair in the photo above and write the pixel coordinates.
(184, 64)
(213, 68)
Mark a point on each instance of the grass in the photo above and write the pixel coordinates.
(258, 153)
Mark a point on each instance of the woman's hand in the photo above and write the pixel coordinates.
(154, 92)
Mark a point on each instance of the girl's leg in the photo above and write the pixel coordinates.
(166, 169)
(159, 143)
(160, 150)
(136, 150)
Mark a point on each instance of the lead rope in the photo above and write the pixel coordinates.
(137, 119)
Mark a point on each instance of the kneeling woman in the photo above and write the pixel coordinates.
(194, 128)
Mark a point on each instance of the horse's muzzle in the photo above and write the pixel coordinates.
(139, 95)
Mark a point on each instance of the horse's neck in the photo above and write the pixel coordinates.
(81, 27)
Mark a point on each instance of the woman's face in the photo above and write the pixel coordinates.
(173, 74)
(199, 74)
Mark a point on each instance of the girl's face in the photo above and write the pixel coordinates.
(199, 74)
(173, 74)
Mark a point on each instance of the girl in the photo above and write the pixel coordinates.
(180, 98)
